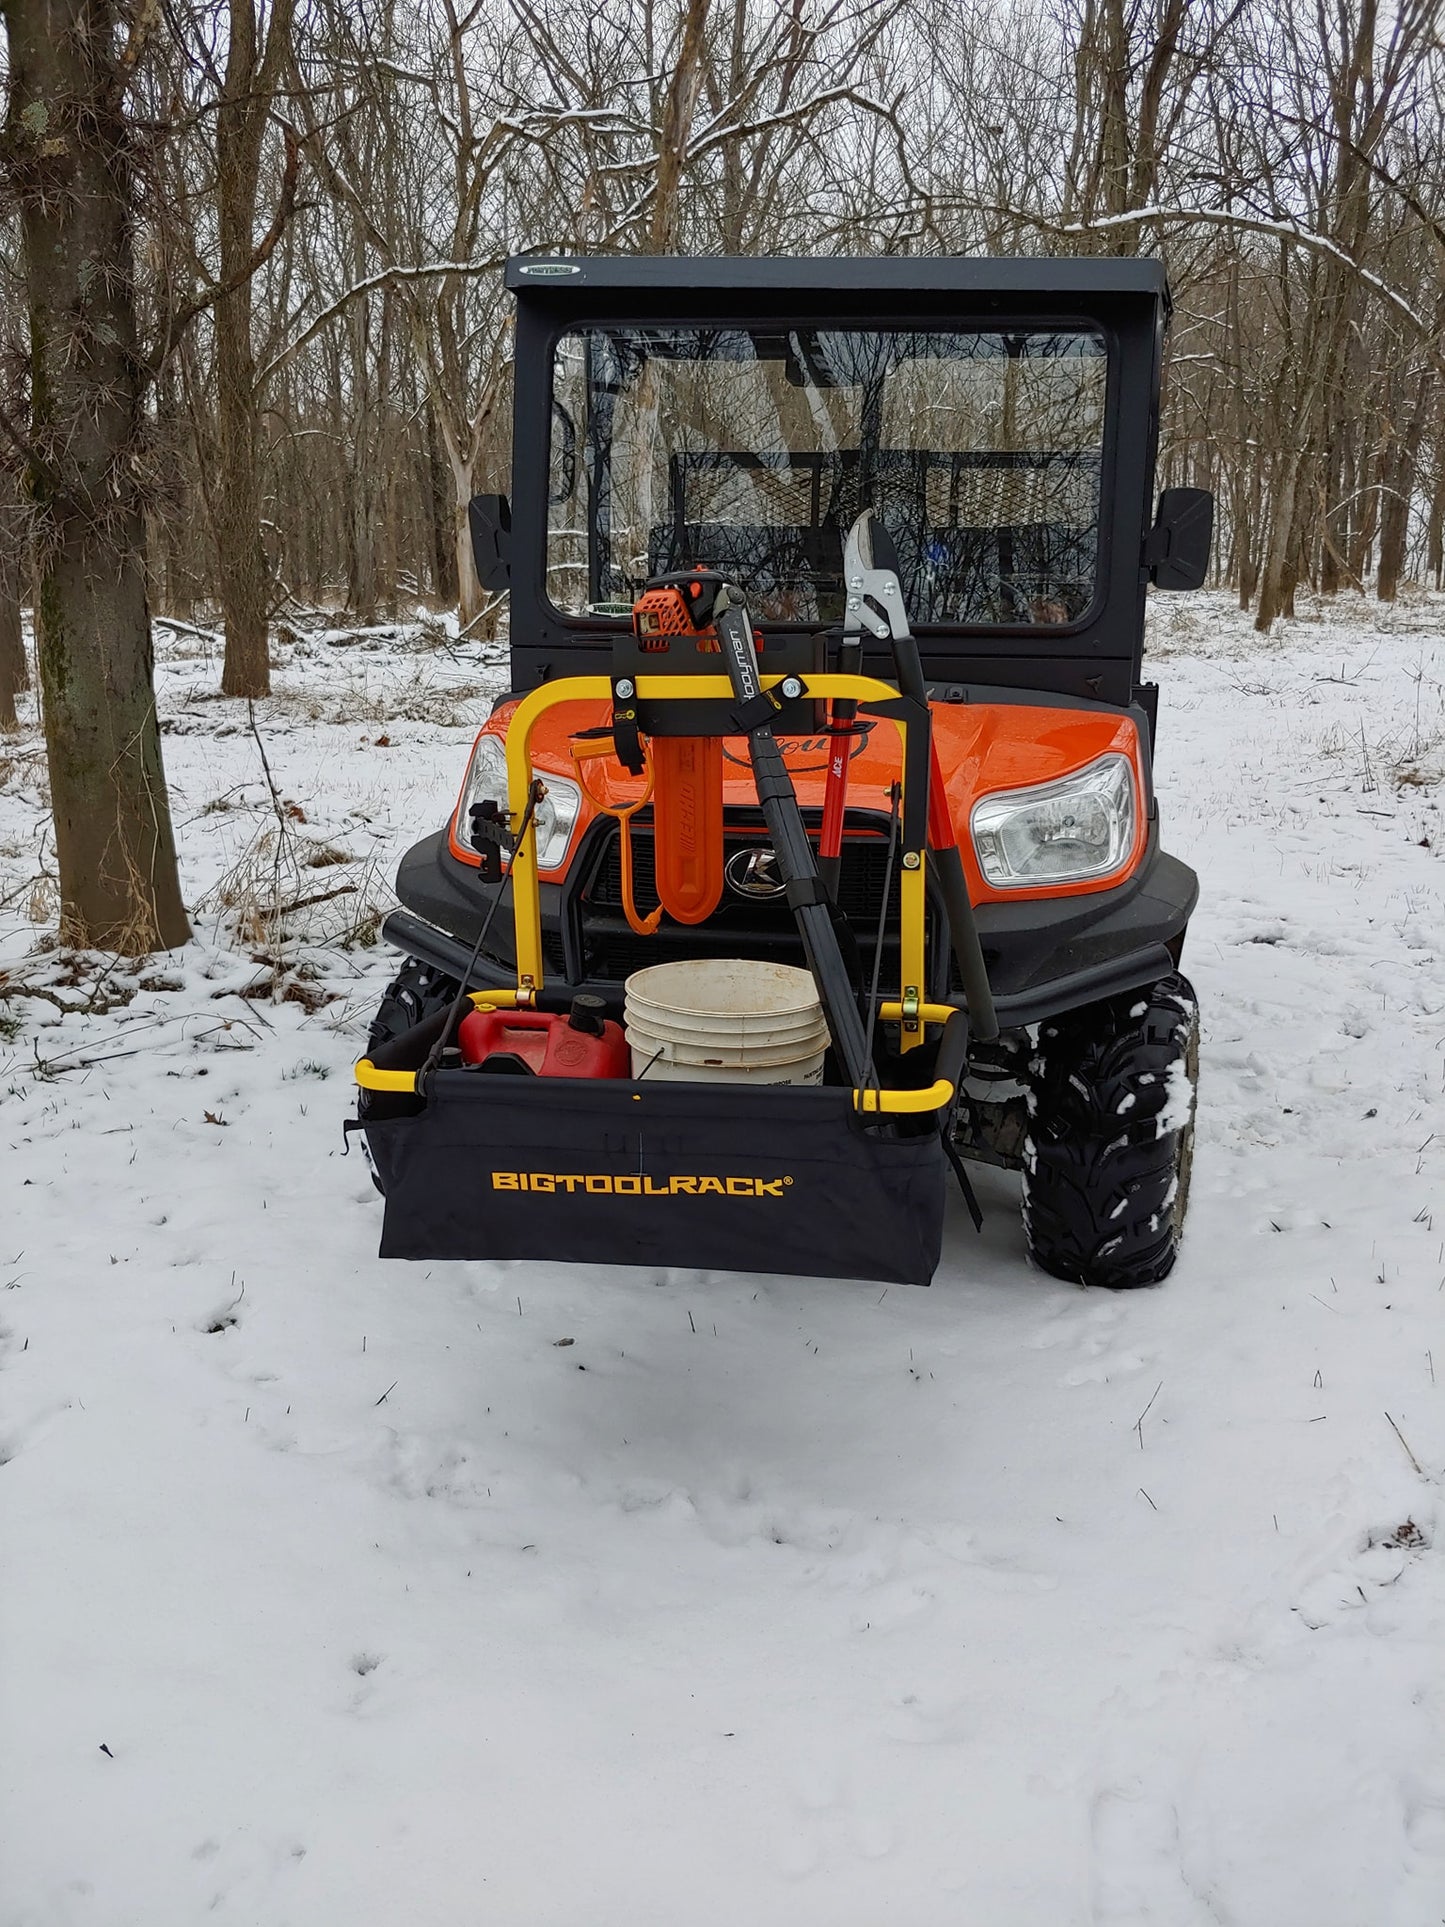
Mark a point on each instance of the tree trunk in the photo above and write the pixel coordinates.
(69, 161)
(361, 481)
(469, 589)
(1334, 469)
(1363, 536)
(1249, 512)
(664, 228)
(444, 554)
(1398, 488)
(14, 669)
(1275, 586)
(241, 558)
(387, 459)
(1435, 524)
(462, 463)
(14, 674)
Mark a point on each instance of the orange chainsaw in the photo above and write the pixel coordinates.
(684, 774)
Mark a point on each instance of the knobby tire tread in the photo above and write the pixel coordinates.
(1105, 1188)
(417, 991)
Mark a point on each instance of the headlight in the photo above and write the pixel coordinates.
(1080, 827)
(556, 814)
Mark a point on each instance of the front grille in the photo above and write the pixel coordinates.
(860, 884)
(740, 926)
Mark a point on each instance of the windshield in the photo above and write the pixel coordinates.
(752, 453)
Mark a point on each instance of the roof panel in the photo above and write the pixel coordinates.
(1062, 276)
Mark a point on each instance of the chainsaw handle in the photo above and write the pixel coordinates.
(584, 749)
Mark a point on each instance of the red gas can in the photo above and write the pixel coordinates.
(550, 1043)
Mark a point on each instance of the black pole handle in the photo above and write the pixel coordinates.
(791, 843)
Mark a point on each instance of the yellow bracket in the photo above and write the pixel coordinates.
(526, 897)
(932, 1098)
(526, 894)
(371, 1079)
(927, 1013)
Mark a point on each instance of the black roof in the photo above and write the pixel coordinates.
(1080, 275)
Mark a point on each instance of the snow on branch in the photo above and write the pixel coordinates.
(1249, 223)
(385, 277)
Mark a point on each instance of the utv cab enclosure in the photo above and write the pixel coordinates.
(997, 422)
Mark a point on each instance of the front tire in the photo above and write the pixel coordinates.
(1111, 1136)
(418, 991)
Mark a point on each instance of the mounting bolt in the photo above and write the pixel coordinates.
(625, 687)
(791, 688)
(911, 859)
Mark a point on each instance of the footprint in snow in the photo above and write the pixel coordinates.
(823, 1820)
(1136, 1874)
(915, 1722)
(1380, 1559)
(364, 1665)
(1096, 1371)
(1423, 1807)
(1086, 1322)
(15, 1439)
(885, 1608)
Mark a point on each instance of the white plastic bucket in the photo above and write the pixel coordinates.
(725, 1020)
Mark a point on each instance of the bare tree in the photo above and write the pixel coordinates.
(68, 155)
(255, 56)
(329, 395)
(14, 669)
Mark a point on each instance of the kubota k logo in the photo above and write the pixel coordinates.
(754, 873)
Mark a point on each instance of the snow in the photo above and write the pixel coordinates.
(341, 1591)
(1178, 1100)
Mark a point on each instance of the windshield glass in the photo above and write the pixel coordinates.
(752, 453)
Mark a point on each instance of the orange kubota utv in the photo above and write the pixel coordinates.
(922, 492)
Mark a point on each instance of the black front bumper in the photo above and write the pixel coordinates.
(1044, 955)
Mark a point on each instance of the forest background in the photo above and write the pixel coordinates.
(254, 347)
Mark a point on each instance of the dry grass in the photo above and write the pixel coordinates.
(421, 697)
(285, 894)
(43, 903)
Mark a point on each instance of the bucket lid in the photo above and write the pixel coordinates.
(724, 986)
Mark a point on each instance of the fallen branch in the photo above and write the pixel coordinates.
(321, 896)
(188, 628)
(93, 1006)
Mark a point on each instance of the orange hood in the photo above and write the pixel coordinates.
(982, 748)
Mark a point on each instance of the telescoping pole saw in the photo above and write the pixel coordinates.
(791, 843)
(875, 603)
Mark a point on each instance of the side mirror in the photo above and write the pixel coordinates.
(490, 517)
(1176, 549)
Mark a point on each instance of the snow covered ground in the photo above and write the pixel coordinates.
(342, 1592)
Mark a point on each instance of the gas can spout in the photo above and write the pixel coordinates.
(588, 1014)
